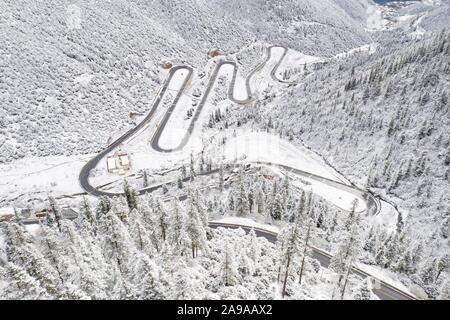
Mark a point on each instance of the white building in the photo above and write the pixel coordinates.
(6, 213)
(118, 163)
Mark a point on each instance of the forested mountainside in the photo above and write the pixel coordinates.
(70, 72)
(313, 27)
(383, 120)
(336, 150)
(144, 248)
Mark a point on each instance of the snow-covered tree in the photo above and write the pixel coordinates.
(117, 244)
(103, 207)
(177, 229)
(56, 211)
(146, 279)
(88, 218)
(363, 291)
(195, 230)
(130, 196)
(21, 285)
(140, 234)
(229, 269)
(305, 245)
(342, 260)
(161, 219)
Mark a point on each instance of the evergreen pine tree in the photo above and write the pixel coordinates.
(104, 205)
(229, 270)
(305, 246)
(363, 291)
(145, 279)
(177, 228)
(56, 211)
(87, 215)
(130, 196)
(20, 285)
(195, 231)
(144, 178)
(221, 181)
(141, 236)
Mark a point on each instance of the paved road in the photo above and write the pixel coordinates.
(85, 171)
(273, 73)
(385, 292)
(155, 140)
(372, 203)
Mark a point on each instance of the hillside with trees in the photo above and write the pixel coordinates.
(383, 121)
(70, 72)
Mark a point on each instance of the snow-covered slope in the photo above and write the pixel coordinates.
(315, 27)
(72, 72)
(383, 121)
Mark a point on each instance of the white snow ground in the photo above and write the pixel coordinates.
(262, 80)
(293, 59)
(266, 147)
(55, 175)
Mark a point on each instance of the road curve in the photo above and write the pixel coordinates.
(91, 164)
(155, 140)
(280, 61)
(385, 291)
(372, 203)
(157, 136)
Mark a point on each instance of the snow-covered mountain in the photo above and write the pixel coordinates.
(383, 120)
(336, 148)
(73, 71)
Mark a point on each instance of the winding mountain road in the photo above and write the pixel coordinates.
(91, 164)
(155, 140)
(385, 291)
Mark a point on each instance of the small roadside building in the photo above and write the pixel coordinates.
(166, 64)
(214, 53)
(111, 164)
(118, 163)
(42, 213)
(7, 214)
(124, 161)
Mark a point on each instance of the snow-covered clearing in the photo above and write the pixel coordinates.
(387, 217)
(375, 19)
(177, 124)
(177, 80)
(266, 147)
(294, 59)
(340, 198)
(369, 48)
(239, 90)
(262, 80)
(33, 229)
(54, 175)
(83, 79)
